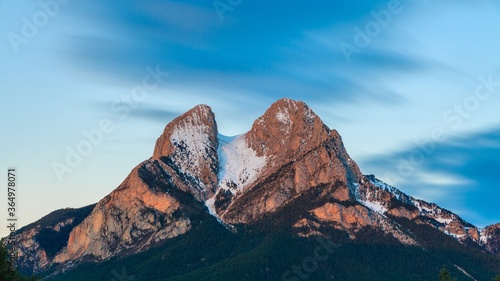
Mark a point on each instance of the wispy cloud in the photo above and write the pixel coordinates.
(259, 48)
(155, 114)
(460, 174)
(424, 62)
(441, 179)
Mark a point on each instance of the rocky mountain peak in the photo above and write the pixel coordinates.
(290, 167)
(295, 152)
(197, 126)
(287, 128)
(188, 146)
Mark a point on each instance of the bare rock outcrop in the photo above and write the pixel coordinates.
(189, 143)
(39, 242)
(134, 217)
(288, 159)
(490, 238)
(301, 152)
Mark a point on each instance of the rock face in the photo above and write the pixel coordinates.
(288, 159)
(490, 238)
(390, 200)
(30, 253)
(289, 131)
(39, 242)
(300, 153)
(132, 218)
(354, 218)
(190, 143)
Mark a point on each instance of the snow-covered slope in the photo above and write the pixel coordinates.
(239, 164)
(188, 148)
(383, 198)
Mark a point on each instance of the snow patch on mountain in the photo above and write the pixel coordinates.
(483, 237)
(210, 203)
(434, 212)
(443, 220)
(239, 164)
(376, 206)
(283, 117)
(190, 142)
(371, 204)
(423, 209)
(391, 189)
(446, 221)
(310, 116)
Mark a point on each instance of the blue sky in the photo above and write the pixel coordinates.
(413, 70)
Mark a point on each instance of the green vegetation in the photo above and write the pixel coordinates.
(497, 278)
(54, 241)
(395, 203)
(6, 274)
(61, 215)
(269, 249)
(444, 274)
(210, 252)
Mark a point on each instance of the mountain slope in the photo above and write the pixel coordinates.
(267, 251)
(289, 176)
(39, 242)
(133, 217)
(293, 138)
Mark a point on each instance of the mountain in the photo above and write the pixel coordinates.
(289, 179)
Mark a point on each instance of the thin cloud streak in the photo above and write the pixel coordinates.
(461, 174)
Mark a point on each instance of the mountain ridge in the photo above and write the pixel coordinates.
(287, 155)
